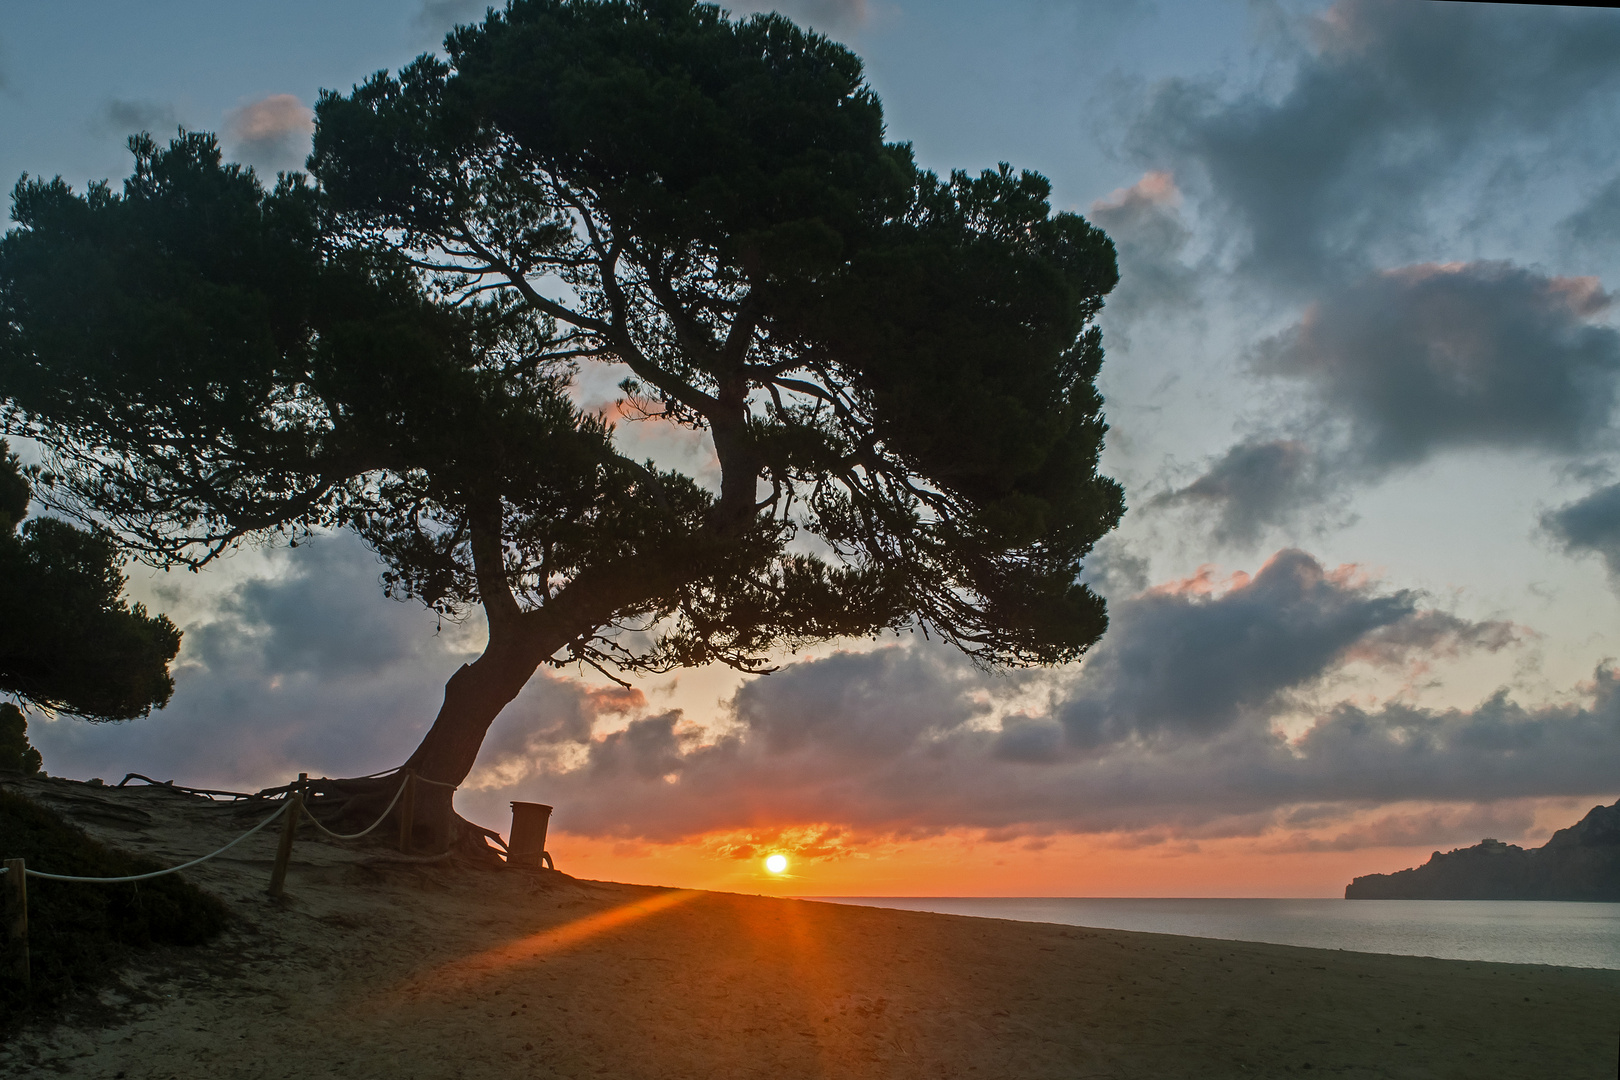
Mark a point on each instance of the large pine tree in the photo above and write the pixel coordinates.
(895, 371)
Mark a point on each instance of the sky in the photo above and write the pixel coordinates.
(1361, 381)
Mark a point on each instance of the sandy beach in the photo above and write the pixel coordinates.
(374, 967)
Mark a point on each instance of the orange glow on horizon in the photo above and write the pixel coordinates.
(1276, 863)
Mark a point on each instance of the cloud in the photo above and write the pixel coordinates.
(1169, 728)
(1596, 225)
(310, 669)
(121, 117)
(1145, 224)
(1383, 134)
(830, 17)
(1405, 364)
(1432, 825)
(827, 15)
(1591, 524)
(1457, 356)
(1256, 484)
(548, 727)
(1113, 569)
(306, 623)
(1189, 661)
(1391, 106)
(438, 16)
(272, 133)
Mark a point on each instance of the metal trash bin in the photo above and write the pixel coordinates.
(527, 846)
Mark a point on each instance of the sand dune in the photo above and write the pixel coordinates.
(375, 968)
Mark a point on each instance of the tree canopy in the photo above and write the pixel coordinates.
(895, 370)
(68, 640)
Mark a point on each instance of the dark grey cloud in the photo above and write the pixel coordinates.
(647, 749)
(312, 670)
(307, 622)
(1402, 365)
(1181, 663)
(1591, 524)
(1114, 570)
(1457, 356)
(1151, 238)
(1391, 104)
(437, 17)
(1169, 727)
(1436, 825)
(831, 17)
(271, 134)
(1256, 484)
(128, 117)
(848, 701)
(1596, 225)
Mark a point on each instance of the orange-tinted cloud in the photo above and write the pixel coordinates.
(272, 133)
(1169, 733)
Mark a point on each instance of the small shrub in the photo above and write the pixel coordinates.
(79, 932)
(16, 755)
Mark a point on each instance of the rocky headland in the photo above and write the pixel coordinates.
(1581, 862)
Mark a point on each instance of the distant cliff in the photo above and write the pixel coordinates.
(1581, 862)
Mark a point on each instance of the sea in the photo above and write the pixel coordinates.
(1505, 931)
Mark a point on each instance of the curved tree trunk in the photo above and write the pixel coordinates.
(519, 642)
(473, 698)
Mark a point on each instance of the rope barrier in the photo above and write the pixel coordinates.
(17, 929)
(355, 836)
(282, 809)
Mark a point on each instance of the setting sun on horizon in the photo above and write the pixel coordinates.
(969, 863)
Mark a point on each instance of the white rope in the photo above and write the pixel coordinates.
(31, 872)
(363, 832)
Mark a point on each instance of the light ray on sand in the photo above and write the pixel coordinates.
(551, 940)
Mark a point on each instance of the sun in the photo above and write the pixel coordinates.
(776, 864)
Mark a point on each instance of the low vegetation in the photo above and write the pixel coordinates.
(79, 933)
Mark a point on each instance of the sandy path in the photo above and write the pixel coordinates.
(371, 969)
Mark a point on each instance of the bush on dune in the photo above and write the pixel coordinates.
(79, 932)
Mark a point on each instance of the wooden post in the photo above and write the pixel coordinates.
(289, 826)
(16, 888)
(407, 811)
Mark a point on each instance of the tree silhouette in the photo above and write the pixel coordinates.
(895, 371)
(68, 641)
(16, 755)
